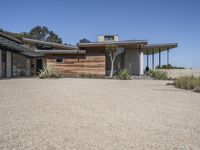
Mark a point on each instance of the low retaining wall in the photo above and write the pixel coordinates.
(177, 73)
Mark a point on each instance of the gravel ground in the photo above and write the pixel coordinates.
(89, 114)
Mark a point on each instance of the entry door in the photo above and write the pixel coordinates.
(38, 65)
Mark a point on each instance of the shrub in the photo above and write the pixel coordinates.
(48, 72)
(124, 74)
(169, 67)
(158, 74)
(197, 89)
(187, 83)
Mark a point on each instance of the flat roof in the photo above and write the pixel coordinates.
(150, 48)
(61, 51)
(119, 43)
(49, 43)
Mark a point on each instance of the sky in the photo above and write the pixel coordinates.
(158, 21)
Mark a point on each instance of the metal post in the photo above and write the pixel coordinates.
(152, 59)
(147, 59)
(159, 58)
(168, 56)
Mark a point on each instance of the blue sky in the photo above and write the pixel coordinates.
(157, 21)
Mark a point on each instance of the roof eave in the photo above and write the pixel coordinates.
(49, 43)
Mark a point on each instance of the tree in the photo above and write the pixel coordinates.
(84, 40)
(53, 38)
(42, 33)
(113, 51)
(38, 33)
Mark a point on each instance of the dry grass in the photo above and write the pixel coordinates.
(187, 83)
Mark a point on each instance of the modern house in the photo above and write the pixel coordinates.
(27, 56)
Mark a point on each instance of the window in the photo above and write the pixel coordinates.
(109, 38)
(59, 60)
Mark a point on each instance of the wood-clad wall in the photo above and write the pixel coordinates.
(91, 63)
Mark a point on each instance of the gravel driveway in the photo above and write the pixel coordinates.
(90, 114)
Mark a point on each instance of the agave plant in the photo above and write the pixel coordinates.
(157, 74)
(124, 74)
(48, 72)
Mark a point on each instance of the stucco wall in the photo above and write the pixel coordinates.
(177, 73)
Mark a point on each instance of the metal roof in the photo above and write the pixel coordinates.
(10, 37)
(13, 46)
(150, 48)
(127, 42)
(62, 51)
(49, 43)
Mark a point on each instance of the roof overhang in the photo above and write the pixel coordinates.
(49, 43)
(118, 43)
(10, 38)
(15, 47)
(61, 51)
(155, 48)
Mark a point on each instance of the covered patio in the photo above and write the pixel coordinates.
(152, 49)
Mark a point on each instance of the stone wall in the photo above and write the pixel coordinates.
(177, 73)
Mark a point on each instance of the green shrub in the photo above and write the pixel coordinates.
(168, 67)
(48, 72)
(124, 74)
(158, 74)
(187, 83)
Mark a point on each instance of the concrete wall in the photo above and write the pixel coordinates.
(132, 61)
(141, 63)
(100, 38)
(28, 67)
(177, 73)
(8, 64)
(0, 63)
(116, 38)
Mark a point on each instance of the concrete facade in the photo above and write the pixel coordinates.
(8, 64)
(0, 63)
(132, 59)
(28, 67)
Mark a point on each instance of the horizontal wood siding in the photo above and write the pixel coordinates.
(91, 63)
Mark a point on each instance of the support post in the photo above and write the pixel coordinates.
(159, 58)
(152, 59)
(28, 66)
(8, 64)
(147, 58)
(168, 56)
(141, 59)
(0, 63)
